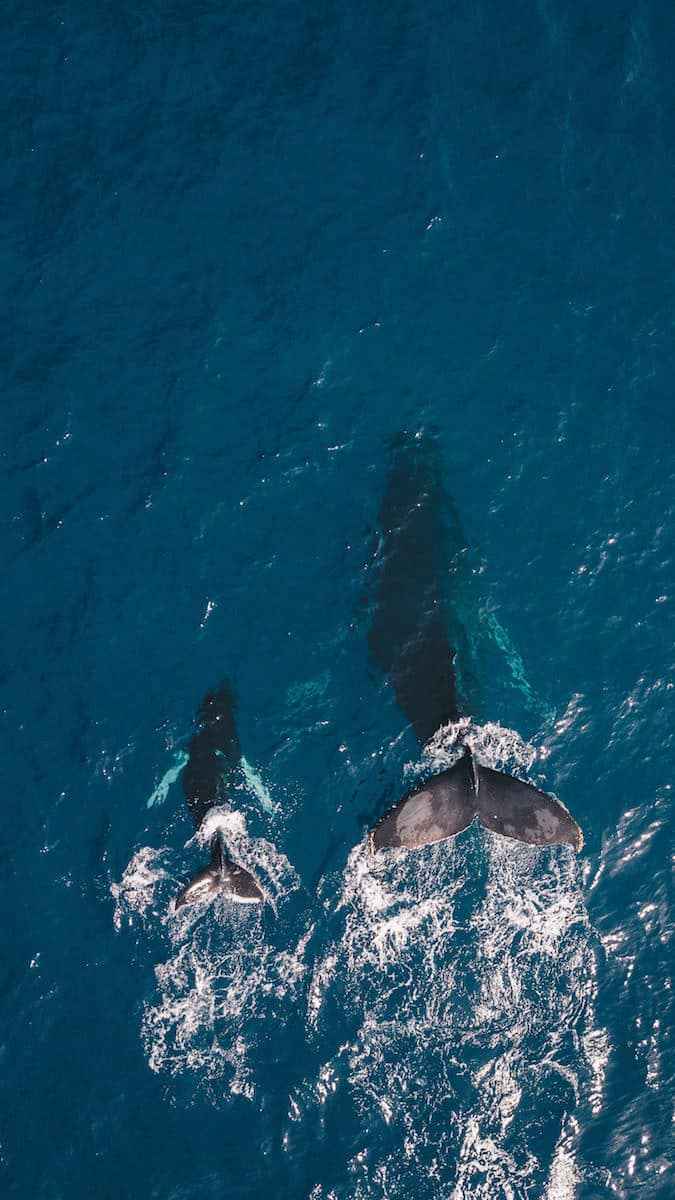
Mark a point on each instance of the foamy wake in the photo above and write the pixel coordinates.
(493, 744)
(135, 893)
(461, 981)
(230, 977)
(467, 970)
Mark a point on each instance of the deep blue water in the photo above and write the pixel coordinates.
(242, 246)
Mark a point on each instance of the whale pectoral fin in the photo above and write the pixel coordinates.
(221, 875)
(516, 809)
(444, 806)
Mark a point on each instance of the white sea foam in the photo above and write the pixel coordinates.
(465, 974)
(493, 744)
(230, 977)
(221, 995)
(135, 892)
(468, 971)
(564, 1174)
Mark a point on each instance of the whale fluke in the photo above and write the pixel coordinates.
(448, 802)
(221, 875)
(519, 810)
(445, 805)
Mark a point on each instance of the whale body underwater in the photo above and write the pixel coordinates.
(214, 756)
(410, 643)
(414, 642)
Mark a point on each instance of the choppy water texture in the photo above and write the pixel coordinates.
(243, 246)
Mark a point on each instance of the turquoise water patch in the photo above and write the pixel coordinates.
(516, 666)
(160, 793)
(256, 785)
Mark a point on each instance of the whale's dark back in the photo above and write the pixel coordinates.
(214, 753)
(408, 636)
(414, 581)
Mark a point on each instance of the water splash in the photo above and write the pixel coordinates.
(493, 744)
(230, 977)
(467, 971)
(224, 992)
(135, 892)
(564, 1175)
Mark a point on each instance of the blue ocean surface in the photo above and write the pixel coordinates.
(243, 246)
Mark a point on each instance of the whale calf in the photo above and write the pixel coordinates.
(410, 642)
(214, 754)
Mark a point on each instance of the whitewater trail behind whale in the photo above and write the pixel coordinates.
(450, 998)
(228, 980)
(466, 972)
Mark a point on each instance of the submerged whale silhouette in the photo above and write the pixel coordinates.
(410, 643)
(214, 755)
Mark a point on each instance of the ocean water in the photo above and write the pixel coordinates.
(243, 246)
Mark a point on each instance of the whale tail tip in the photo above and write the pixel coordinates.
(221, 875)
(448, 803)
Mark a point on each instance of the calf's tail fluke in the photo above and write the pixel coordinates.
(221, 876)
(448, 803)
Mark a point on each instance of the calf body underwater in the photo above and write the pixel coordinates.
(214, 757)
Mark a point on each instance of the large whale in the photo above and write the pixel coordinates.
(214, 755)
(413, 641)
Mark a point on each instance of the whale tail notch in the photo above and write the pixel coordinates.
(224, 876)
(448, 802)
